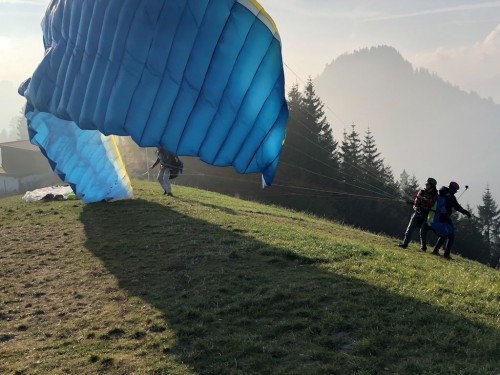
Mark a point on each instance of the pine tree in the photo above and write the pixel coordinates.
(316, 119)
(470, 240)
(489, 221)
(375, 173)
(408, 185)
(351, 157)
(22, 127)
(404, 180)
(295, 137)
(294, 101)
(309, 146)
(489, 217)
(389, 180)
(18, 128)
(370, 157)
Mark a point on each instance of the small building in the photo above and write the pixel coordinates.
(23, 167)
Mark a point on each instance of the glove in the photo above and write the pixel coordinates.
(468, 214)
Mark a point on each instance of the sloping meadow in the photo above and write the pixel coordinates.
(202, 283)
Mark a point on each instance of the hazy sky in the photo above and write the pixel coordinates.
(457, 39)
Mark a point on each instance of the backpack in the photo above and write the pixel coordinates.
(175, 166)
(165, 157)
(437, 222)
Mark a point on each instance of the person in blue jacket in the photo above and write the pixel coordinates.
(445, 205)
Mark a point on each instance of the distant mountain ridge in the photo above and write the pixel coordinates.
(421, 123)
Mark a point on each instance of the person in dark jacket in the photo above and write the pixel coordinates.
(168, 163)
(447, 195)
(424, 201)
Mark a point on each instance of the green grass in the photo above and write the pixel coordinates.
(206, 284)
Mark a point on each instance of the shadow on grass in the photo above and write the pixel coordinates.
(238, 305)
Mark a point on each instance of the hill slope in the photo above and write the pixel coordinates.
(420, 122)
(203, 283)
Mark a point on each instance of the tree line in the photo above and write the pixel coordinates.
(374, 199)
(345, 180)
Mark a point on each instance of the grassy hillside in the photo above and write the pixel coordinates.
(206, 284)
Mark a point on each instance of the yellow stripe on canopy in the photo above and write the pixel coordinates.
(260, 11)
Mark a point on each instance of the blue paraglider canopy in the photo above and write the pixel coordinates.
(197, 77)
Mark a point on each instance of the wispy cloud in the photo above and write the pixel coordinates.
(325, 10)
(469, 66)
(428, 12)
(366, 12)
(484, 51)
(25, 2)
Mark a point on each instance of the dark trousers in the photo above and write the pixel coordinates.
(417, 220)
(448, 243)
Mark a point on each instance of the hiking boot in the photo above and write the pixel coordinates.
(402, 245)
(424, 248)
(435, 252)
(170, 195)
(447, 257)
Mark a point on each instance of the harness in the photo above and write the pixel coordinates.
(438, 218)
